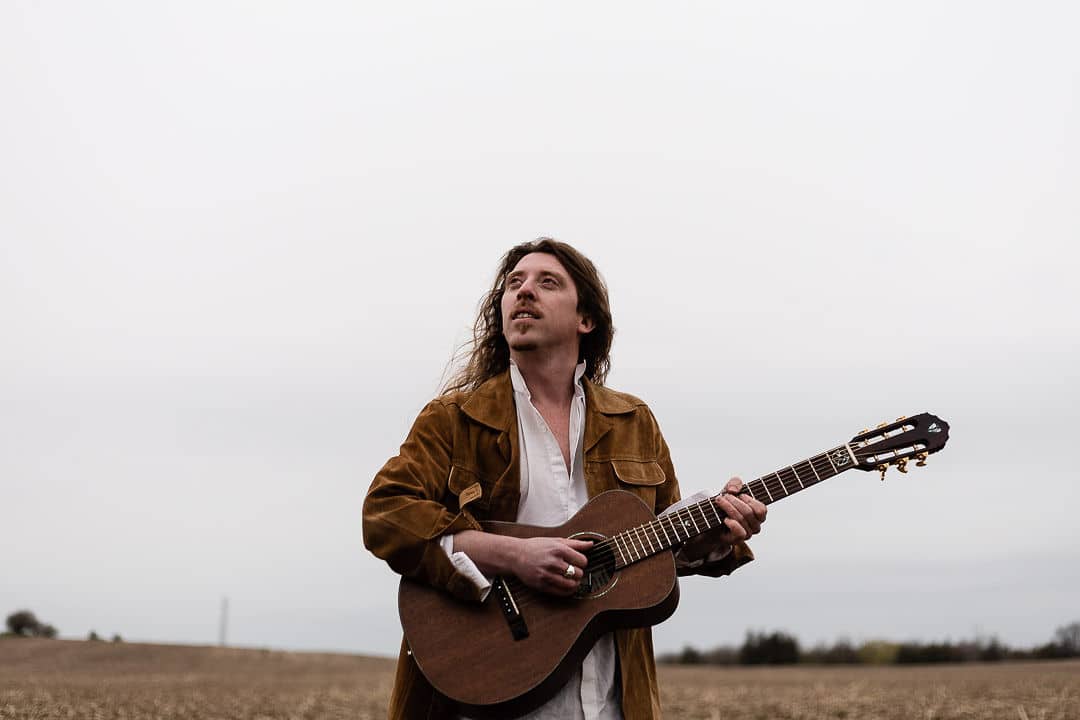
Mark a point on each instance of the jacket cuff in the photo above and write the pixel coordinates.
(464, 565)
(442, 572)
(740, 555)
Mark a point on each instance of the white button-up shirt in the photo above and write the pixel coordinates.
(550, 495)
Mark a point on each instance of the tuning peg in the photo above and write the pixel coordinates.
(881, 425)
(902, 417)
(901, 465)
(881, 469)
(864, 430)
(921, 458)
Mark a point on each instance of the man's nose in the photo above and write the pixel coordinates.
(525, 289)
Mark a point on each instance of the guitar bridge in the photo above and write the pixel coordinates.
(509, 607)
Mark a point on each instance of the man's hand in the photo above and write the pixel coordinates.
(744, 513)
(543, 563)
(743, 518)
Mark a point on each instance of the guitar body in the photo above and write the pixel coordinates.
(470, 653)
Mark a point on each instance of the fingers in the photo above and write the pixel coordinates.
(738, 514)
(560, 581)
(553, 565)
(572, 552)
(745, 514)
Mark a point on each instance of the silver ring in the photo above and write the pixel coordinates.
(570, 572)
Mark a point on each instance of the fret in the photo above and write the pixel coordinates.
(681, 524)
(783, 481)
(794, 474)
(629, 539)
(667, 538)
(767, 486)
(835, 471)
(645, 534)
(784, 484)
(648, 527)
(659, 542)
(719, 520)
(670, 527)
(618, 547)
(674, 525)
(755, 493)
(704, 515)
(636, 544)
(620, 559)
(642, 531)
(801, 486)
(626, 545)
(697, 530)
(827, 469)
(697, 507)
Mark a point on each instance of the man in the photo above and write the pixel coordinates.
(528, 433)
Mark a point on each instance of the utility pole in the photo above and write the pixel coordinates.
(223, 624)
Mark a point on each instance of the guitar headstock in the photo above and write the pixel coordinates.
(895, 443)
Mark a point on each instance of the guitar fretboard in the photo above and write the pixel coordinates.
(677, 527)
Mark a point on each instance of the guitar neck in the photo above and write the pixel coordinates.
(675, 528)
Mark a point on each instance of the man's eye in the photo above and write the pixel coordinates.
(549, 282)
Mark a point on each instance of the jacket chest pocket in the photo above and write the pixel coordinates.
(639, 477)
(468, 491)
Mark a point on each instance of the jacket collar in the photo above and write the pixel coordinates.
(492, 404)
(599, 399)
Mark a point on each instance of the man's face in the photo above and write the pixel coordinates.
(539, 306)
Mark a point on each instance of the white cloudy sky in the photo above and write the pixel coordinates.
(240, 241)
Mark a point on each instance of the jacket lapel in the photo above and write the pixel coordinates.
(600, 404)
(492, 404)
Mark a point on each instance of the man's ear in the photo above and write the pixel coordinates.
(585, 324)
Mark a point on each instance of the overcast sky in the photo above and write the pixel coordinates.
(239, 243)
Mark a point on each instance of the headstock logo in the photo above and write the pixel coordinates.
(934, 427)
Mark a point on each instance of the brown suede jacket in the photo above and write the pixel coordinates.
(459, 465)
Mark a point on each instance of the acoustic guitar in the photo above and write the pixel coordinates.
(512, 652)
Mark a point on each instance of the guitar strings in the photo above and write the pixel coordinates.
(820, 465)
(611, 551)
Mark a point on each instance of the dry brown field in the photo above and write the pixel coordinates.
(47, 679)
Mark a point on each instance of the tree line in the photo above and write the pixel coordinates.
(23, 623)
(781, 648)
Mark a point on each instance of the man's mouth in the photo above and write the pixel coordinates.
(523, 315)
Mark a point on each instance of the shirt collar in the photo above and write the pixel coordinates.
(520, 387)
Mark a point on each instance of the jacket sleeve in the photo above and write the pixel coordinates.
(404, 511)
(668, 494)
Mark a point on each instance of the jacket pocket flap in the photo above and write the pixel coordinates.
(633, 472)
(466, 486)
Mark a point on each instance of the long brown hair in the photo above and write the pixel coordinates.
(489, 354)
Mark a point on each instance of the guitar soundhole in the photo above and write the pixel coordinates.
(600, 575)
